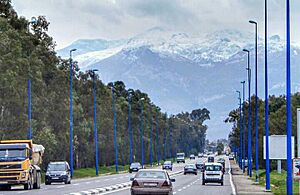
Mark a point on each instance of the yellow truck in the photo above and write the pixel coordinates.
(19, 164)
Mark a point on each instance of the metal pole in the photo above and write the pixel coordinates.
(244, 132)
(157, 139)
(141, 131)
(71, 114)
(95, 125)
(165, 138)
(289, 180)
(129, 130)
(267, 101)
(151, 135)
(29, 109)
(115, 128)
(241, 133)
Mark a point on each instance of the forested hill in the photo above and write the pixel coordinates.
(28, 52)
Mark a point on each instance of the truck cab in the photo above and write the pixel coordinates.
(17, 166)
(180, 157)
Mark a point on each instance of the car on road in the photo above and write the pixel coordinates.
(180, 157)
(210, 159)
(222, 161)
(151, 181)
(200, 164)
(58, 172)
(231, 157)
(213, 173)
(135, 167)
(192, 157)
(167, 165)
(190, 168)
(200, 155)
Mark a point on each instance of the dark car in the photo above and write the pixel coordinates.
(199, 165)
(151, 181)
(58, 172)
(190, 168)
(231, 157)
(211, 159)
(222, 162)
(192, 157)
(167, 165)
(135, 167)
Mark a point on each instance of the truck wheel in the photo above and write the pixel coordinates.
(37, 184)
(28, 185)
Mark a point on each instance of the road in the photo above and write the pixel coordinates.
(185, 184)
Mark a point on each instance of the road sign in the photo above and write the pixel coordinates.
(296, 168)
(277, 147)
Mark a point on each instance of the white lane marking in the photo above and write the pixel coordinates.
(184, 188)
(106, 179)
(231, 182)
(59, 187)
(179, 190)
(174, 192)
(22, 192)
(113, 191)
(75, 184)
(87, 182)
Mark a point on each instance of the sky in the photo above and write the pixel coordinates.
(71, 20)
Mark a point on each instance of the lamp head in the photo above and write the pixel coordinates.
(246, 50)
(72, 50)
(252, 22)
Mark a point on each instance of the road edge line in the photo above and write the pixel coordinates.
(231, 182)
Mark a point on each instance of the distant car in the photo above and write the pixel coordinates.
(211, 159)
(222, 161)
(180, 157)
(167, 165)
(200, 164)
(58, 172)
(200, 155)
(135, 167)
(212, 173)
(190, 168)
(192, 156)
(204, 155)
(231, 157)
(151, 181)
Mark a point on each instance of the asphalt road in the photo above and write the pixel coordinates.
(185, 184)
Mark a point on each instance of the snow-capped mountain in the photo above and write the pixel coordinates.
(182, 72)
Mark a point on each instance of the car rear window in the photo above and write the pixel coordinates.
(213, 168)
(151, 174)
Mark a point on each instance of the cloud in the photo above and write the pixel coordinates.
(209, 99)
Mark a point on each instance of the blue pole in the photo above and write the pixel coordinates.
(71, 114)
(115, 128)
(157, 139)
(243, 129)
(95, 125)
(141, 131)
(29, 110)
(289, 179)
(151, 135)
(165, 138)
(267, 101)
(129, 130)
(241, 133)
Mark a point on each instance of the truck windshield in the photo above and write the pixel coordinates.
(12, 154)
(56, 167)
(180, 156)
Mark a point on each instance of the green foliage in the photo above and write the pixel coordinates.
(27, 52)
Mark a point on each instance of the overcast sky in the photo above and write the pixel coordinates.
(114, 19)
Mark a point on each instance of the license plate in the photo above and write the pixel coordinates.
(150, 184)
(55, 178)
(3, 182)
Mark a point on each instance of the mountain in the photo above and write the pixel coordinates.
(182, 72)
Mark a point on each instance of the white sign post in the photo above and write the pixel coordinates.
(298, 132)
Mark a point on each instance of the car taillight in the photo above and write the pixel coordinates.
(135, 183)
(165, 184)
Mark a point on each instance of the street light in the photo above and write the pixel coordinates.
(165, 138)
(249, 116)
(267, 101)
(115, 128)
(157, 139)
(256, 105)
(151, 136)
(289, 179)
(130, 91)
(243, 129)
(95, 121)
(241, 133)
(141, 129)
(71, 113)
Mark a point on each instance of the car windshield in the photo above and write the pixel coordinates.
(12, 154)
(56, 167)
(167, 163)
(151, 174)
(135, 164)
(213, 168)
(190, 166)
(180, 156)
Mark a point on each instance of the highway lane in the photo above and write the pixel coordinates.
(81, 184)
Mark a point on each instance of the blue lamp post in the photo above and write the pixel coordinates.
(289, 179)
(249, 116)
(256, 105)
(71, 113)
(165, 139)
(95, 122)
(151, 137)
(115, 128)
(129, 128)
(157, 139)
(141, 129)
(241, 132)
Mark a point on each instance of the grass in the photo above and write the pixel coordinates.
(90, 172)
(278, 182)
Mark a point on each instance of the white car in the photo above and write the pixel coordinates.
(213, 173)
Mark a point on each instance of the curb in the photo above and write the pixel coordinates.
(112, 187)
